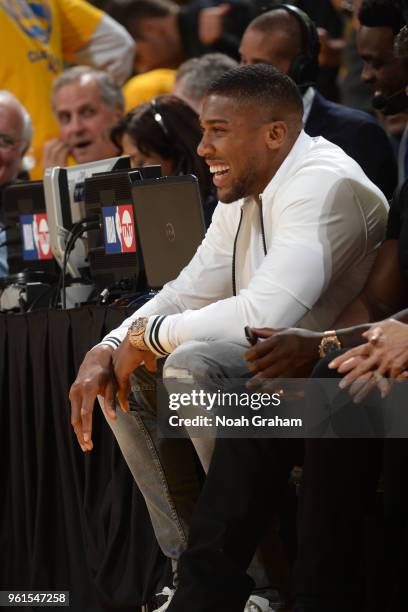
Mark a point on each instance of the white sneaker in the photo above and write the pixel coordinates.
(257, 604)
(167, 592)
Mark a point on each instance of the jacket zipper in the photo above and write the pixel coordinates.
(262, 225)
(234, 285)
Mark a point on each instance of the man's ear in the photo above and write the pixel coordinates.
(275, 134)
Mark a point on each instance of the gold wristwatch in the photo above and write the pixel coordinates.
(136, 333)
(329, 343)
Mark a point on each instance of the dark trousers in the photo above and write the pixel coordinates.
(350, 537)
(337, 517)
(246, 480)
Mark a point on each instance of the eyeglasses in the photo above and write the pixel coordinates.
(157, 116)
(7, 143)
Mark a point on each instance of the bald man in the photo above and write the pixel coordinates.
(15, 139)
(287, 39)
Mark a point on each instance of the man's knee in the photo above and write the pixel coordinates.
(204, 361)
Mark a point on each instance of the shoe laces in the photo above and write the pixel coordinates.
(166, 592)
(257, 604)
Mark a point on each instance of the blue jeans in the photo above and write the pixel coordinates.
(164, 469)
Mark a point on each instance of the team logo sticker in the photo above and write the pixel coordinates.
(35, 237)
(119, 229)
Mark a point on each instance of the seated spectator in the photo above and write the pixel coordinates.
(194, 77)
(286, 38)
(340, 476)
(167, 34)
(298, 226)
(39, 38)
(383, 73)
(87, 103)
(15, 139)
(166, 132)
(144, 87)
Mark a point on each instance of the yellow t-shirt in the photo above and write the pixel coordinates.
(37, 37)
(144, 87)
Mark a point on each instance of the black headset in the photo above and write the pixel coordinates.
(305, 65)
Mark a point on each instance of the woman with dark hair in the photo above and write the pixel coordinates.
(167, 132)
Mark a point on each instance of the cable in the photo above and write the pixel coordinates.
(76, 232)
(68, 250)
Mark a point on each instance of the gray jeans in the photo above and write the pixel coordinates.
(165, 469)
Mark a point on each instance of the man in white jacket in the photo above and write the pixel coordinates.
(291, 243)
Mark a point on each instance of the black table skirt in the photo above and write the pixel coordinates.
(68, 521)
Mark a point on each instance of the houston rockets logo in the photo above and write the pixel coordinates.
(35, 237)
(119, 229)
(33, 18)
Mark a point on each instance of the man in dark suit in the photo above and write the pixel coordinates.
(287, 38)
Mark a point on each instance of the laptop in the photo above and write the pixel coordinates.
(169, 217)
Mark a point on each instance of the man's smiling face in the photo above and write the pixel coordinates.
(235, 146)
(382, 71)
(85, 120)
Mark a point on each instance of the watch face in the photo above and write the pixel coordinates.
(329, 344)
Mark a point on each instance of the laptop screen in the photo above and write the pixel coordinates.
(169, 217)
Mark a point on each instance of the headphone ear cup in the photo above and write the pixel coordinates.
(298, 69)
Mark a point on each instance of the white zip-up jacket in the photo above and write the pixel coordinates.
(297, 256)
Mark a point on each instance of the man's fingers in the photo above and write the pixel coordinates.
(86, 418)
(76, 421)
(79, 436)
(273, 364)
(110, 399)
(150, 362)
(261, 349)
(123, 393)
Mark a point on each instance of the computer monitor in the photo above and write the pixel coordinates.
(64, 199)
(27, 231)
(170, 222)
(114, 254)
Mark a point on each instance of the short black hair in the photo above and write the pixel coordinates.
(262, 84)
(125, 10)
(382, 14)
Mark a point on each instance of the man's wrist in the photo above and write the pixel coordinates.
(352, 336)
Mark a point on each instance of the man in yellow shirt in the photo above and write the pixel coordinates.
(39, 37)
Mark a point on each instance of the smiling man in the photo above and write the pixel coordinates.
(87, 103)
(384, 74)
(291, 241)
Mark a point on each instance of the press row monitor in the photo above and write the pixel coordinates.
(64, 199)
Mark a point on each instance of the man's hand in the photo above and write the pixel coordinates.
(127, 358)
(95, 377)
(383, 359)
(287, 353)
(55, 153)
(211, 23)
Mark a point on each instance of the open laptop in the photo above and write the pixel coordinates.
(169, 216)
